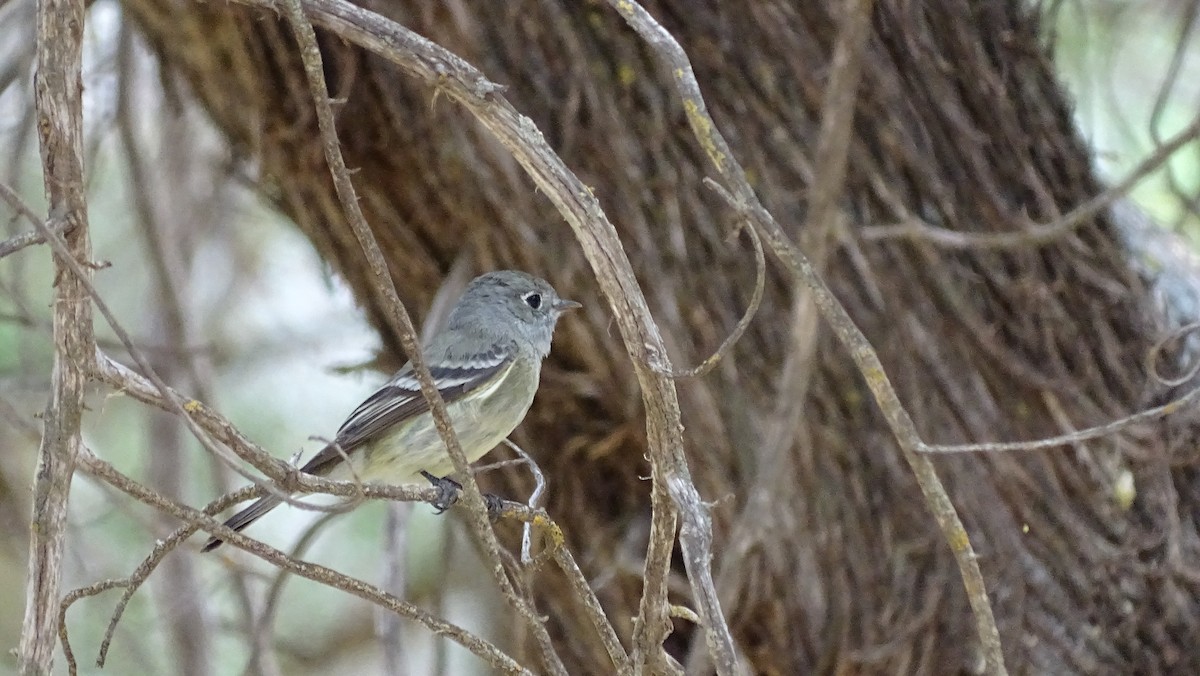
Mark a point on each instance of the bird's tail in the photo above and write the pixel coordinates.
(246, 517)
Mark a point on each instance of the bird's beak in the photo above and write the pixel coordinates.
(563, 305)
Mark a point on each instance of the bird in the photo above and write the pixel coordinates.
(486, 363)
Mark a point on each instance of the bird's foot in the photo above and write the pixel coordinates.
(448, 491)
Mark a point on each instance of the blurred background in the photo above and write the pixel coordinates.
(235, 307)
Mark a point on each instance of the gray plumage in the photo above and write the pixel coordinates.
(486, 363)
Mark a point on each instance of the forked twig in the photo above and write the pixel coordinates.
(535, 498)
(194, 517)
(537, 517)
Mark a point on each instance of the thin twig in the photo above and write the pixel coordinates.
(538, 518)
(17, 242)
(1104, 430)
(760, 285)
(1035, 234)
(535, 499)
(151, 562)
(286, 477)
(69, 600)
(1152, 356)
(133, 581)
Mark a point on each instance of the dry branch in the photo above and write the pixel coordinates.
(672, 486)
(58, 98)
(401, 323)
(835, 314)
(1038, 234)
(483, 649)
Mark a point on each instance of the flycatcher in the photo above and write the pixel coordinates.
(485, 362)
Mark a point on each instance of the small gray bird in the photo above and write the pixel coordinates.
(485, 362)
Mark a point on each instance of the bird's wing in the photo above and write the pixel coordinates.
(400, 399)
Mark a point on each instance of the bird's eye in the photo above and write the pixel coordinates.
(533, 300)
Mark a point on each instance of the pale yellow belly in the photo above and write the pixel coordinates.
(481, 421)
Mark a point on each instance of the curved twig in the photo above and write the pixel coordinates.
(1096, 432)
(535, 498)
(1035, 234)
(1155, 350)
(760, 284)
(133, 581)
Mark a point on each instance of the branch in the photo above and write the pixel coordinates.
(598, 238)
(214, 426)
(402, 326)
(132, 583)
(865, 358)
(17, 242)
(58, 99)
(481, 648)
(537, 517)
(1035, 234)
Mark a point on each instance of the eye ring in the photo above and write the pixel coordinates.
(533, 299)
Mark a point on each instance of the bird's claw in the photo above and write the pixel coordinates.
(495, 505)
(447, 491)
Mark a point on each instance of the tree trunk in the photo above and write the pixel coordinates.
(827, 557)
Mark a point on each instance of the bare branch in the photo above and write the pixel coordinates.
(481, 648)
(18, 242)
(401, 324)
(1034, 234)
(140, 574)
(58, 99)
(861, 352)
(566, 562)
(212, 423)
(535, 498)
